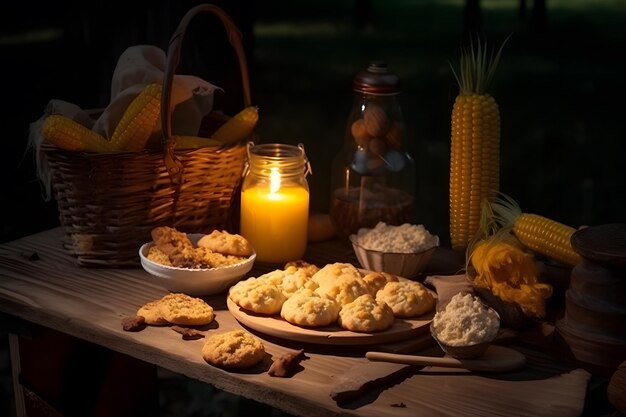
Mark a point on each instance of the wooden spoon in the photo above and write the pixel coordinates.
(495, 359)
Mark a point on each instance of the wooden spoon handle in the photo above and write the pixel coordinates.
(495, 359)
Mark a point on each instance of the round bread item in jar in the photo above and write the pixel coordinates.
(376, 120)
(393, 138)
(359, 133)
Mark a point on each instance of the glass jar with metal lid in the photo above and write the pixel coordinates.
(373, 176)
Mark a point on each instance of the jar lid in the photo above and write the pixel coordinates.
(376, 79)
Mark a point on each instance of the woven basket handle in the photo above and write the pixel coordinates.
(172, 163)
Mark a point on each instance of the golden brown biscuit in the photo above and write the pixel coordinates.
(170, 240)
(307, 268)
(178, 308)
(377, 280)
(157, 255)
(258, 295)
(366, 315)
(307, 308)
(407, 298)
(152, 314)
(345, 289)
(295, 278)
(226, 243)
(326, 276)
(236, 349)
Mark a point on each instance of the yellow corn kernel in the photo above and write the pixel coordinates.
(139, 120)
(538, 233)
(70, 135)
(474, 163)
(475, 144)
(194, 142)
(239, 127)
(547, 237)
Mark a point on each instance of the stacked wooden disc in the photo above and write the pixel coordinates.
(594, 323)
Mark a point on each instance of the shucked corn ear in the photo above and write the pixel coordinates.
(72, 136)
(540, 234)
(475, 144)
(139, 120)
(239, 127)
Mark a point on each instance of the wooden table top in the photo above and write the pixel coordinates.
(41, 284)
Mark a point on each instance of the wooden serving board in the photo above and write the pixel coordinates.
(330, 335)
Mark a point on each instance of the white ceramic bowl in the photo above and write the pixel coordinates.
(406, 265)
(197, 282)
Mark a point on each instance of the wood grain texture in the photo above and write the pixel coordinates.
(40, 283)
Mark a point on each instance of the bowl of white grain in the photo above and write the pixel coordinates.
(402, 250)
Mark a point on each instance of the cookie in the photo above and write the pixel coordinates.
(178, 308)
(152, 314)
(170, 240)
(407, 298)
(226, 243)
(326, 276)
(236, 349)
(377, 280)
(307, 308)
(295, 278)
(366, 315)
(306, 268)
(157, 255)
(257, 295)
(345, 289)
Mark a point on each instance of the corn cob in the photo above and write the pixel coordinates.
(193, 142)
(239, 127)
(70, 135)
(475, 145)
(136, 125)
(540, 234)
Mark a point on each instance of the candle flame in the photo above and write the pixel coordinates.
(274, 180)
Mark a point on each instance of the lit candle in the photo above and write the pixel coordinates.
(275, 206)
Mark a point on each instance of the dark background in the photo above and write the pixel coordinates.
(560, 87)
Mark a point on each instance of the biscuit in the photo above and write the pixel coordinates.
(305, 267)
(226, 243)
(178, 308)
(345, 289)
(152, 314)
(377, 280)
(307, 308)
(295, 278)
(257, 295)
(157, 255)
(325, 277)
(407, 298)
(273, 277)
(170, 240)
(236, 349)
(366, 315)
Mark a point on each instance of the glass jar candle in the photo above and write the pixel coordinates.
(275, 202)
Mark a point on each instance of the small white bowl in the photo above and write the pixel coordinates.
(406, 265)
(197, 282)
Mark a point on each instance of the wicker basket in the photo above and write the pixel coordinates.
(109, 202)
